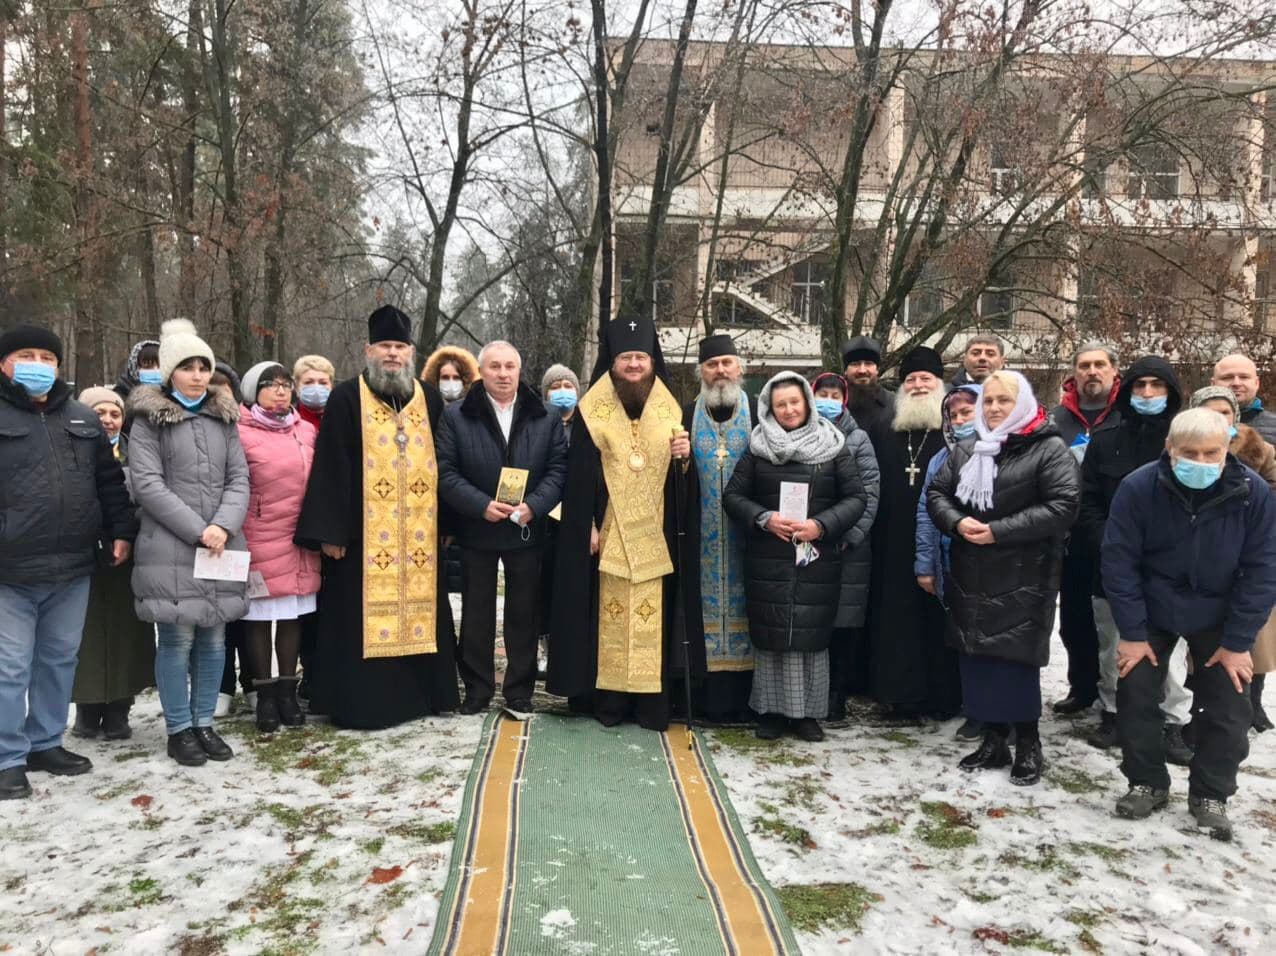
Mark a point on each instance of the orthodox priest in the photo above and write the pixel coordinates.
(384, 652)
(719, 423)
(622, 614)
(913, 672)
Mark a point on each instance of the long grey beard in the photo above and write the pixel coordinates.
(399, 384)
(919, 413)
(720, 395)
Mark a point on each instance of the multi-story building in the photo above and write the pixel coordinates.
(1176, 234)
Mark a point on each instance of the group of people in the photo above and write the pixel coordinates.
(740, 557)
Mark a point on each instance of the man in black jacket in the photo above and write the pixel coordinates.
(61, 490)
(501, 425)
(1148, 400)
(871, 405)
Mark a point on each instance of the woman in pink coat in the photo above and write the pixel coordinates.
(283, 579)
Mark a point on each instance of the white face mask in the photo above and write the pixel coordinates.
(451, 389)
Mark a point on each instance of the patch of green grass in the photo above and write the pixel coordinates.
(429, 776)
(320, 748)
(1086, 919)
(425, 832)
(313, 820)
(145, 891)
(979, 896)
(1073, 780)
(395, 895)
(120, 789)
(945, 827)
(783, 831)
(901, 738)
(837, 906)
(282, 915)
(1105, 852)
(131, 755)
(803, 792)
(1018, 939)
(323, 874)
(372, 847)
(1089, 943)
(887, 827)
(772, 752)
(1047, 860)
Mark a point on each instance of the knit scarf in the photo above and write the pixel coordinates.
(812, 443)
(978, 475)
(273, 422)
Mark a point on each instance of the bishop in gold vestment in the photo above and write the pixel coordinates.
(622, 611)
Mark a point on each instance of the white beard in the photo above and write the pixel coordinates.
(919, 413)
(720, 395)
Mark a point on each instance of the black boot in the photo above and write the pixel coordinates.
(88, 720)
(1261, 721)
(185, 749)
(267, 706)
(1029, 761)
(993, 752)
(290, 714)
(213, 745)
(115, 720)
(771, 726)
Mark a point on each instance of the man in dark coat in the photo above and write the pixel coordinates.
(627, 589)
(913, 671)
(384, 654)
(1147, 401)
(984, 354)
(1189, 550)
(1089, 400)
(500, 429)
(1240, 374)
(60, 489)
(719, 422)
(871, 405)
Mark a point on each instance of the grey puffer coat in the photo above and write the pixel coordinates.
(857, 553)
(188, 471)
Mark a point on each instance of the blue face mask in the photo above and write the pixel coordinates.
(150, 376)
(36, 377)
(1232, 432)
(1197, 475)
(564, 399)
(190, 403)
(314, 396)
(829, 408)
(114, 439)
(962, 432)
(1149, 406)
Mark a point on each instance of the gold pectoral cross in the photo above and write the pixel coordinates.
(722, 454)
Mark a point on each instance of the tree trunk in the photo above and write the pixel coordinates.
(600, 229)
(4, 150)
(88, 359)
(184, 214)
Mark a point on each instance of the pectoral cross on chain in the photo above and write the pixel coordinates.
(913, 471)
(632, 325)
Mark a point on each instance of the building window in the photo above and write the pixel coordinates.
(1004, 176)
(807, 296)
(1154, 172)
(1267, 186)
(1265, 302)
(1087, 299)
(660, 296)
(1095, 184)
(997, 302)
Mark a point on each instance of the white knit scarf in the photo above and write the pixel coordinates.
(980, 471)
(812, 443)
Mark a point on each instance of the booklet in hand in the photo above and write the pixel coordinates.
(512, 486)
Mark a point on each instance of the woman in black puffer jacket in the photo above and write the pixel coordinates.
(792, 607)
(1007, 503)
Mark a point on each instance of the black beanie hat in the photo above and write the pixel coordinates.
(921, 359)
(716, 346)
(388, 324)
(861, 348)
(28, 336)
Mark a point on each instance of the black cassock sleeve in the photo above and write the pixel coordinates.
(331, 505)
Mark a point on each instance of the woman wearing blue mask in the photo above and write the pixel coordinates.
(117, 653)
(1250, 448)
(142, 368)
(314, 376)
(190, 479)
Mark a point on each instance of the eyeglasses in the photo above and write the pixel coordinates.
(280, 386)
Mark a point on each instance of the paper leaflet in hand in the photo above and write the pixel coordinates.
(793, 500)
(227, 566)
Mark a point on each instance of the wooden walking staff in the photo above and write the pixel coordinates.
(680, 493)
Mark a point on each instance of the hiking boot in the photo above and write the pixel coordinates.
(58, 761)
(992, 754)
(184, 747)
(970, 730)
(1105, 735)
(88, 720)
(212, 744)
(267, 707)
(771, 726)
(1071, 705)
(1211, 814)
(14, 784)
(115, 724)
(286, 703)
(1140, 800)
(1177, 751)
(518, 709)
(808, 729)
(1029, 761)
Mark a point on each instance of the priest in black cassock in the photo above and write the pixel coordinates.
(719, 423)
(912, 670)
(626, 584)
(384, 653)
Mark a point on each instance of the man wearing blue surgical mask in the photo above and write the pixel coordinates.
(1189, 551)
(1148, 400)
(62, 488)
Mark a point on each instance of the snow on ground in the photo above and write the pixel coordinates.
(318, 840)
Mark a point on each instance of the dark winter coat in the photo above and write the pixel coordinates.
(1186, 562)
(472, 451)
(857, 550)
(1001, 597)
(188, 471)
(61, 488)
(1262, 421)
(1120, 445)
(792, 608)
(1074, 427)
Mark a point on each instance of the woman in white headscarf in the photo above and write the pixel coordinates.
(1007, 501)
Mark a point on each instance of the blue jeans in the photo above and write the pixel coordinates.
(40, 630)
(199, 652)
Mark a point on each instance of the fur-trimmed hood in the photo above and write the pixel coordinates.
(464, 361)
(161, 409)
(1253, 450)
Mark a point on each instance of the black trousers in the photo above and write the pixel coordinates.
(476, 661)
(1221, 726)
(235, 640)
(1076, 627)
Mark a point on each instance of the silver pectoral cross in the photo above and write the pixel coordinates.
(913, 471)
(632, 325)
